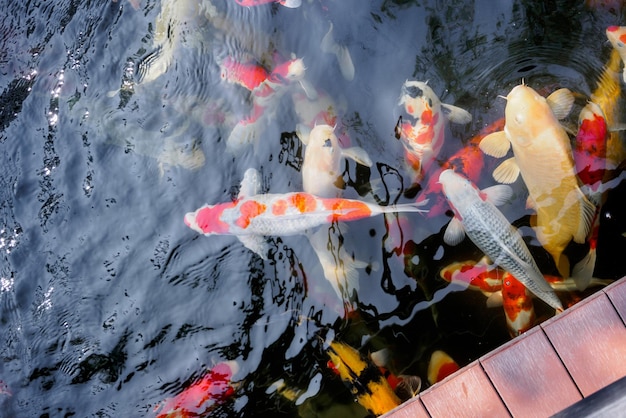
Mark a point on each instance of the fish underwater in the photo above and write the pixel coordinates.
(617, 38)
(323, 161)
(518, 305)
(287, 3)
(253, 216)
(543, 156)
(440, 366)
(369, 387)
(330, 46)
(423, 135)
(214, 388)
(477, 216)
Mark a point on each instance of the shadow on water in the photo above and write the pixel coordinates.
(110, 133)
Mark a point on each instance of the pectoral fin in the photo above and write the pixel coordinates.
(342, 53)
(498, 194)
(454, 232)
(507, 172)
(456, 114)
(255, 243)
(495, 144)
(561, 101)
(251, 184)
(303, 132)
(357, 154)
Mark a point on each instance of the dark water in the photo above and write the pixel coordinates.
(110, 304)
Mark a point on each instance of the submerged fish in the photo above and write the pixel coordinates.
(368, 385)
(543, 157)
(323, 161)
(477, 216)
(518, 305)
(617, 37)
(590, 147)
(342, 53)
(214, 388)
(440, 366)
(252, 215)
(424, 138)
(246, 74)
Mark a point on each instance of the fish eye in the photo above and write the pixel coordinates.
(398, 128)
(327, 143)
(414, 91)
(430, 102)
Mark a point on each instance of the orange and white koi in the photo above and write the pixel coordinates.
(518, 305)
(424, 138)
(590, 147)
(246, 74)
(617, 37)
(477, 216)
(404, 386)
(440, 366)
(543, 156)
(287, 3)
(476, 275)
(371, 390)
(213, 389)
(253, 215)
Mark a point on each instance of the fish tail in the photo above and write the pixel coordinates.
(406, 207)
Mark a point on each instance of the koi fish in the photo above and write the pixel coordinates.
(370, 388)
(468, 161)
(476, 275)
(404, 386)
(342, 53)
(292, 4)
(617, 38)
(423, 140)
(248, 75)
(543, 157)
(518, 305)
(254, 215)
(213, 389)
(440, 366)
(323, 158)
(590, 147)
(477, 216)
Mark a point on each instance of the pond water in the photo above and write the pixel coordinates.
(110, 304)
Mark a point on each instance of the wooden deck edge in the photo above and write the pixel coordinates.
(417, 407)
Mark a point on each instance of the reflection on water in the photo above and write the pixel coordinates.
(114, 122)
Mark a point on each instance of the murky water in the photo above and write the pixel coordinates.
(110, 304)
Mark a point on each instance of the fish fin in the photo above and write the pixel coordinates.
(292, 4)
(251, 183)
(242, 135)
(582, 272)
(587, 213)
(304, 133)
(381, 357)
(342, 53)
(494, 300)
(357, 154)
(308, 89)
(495, 144)
(456, 114)
(507, 172)
(454, 233)
(256, 244)
(498, 194)
(561, 101)
(530, 203)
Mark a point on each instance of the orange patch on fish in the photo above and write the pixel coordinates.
(208, 219)
(346, 210)
(249, 210)
(280, 207)
(303, 202)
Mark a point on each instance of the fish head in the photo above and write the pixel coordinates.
(458, 189)
(420, 101)
(617, 37)
(527, 115)
(322, 150)
(207, 219)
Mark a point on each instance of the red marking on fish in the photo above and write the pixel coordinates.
(214, 388)
(280, 207)
(248, 75)
(446, 370)
(249, 210)
(346, 210)
(209, 221)
(590, 148)
(518, 305)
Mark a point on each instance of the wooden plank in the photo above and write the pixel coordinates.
(465, 394)
(609, 401)
(617, 295)
(590, 339)
(529, 376)
(413, 408)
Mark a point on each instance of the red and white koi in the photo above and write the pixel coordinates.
(518, 305)
(213, 389)
(617, 38)
(477, 216)
(543, 156)
(590, 147)
(478, 275)
(253, 215)
(246, 74)
(424, 138)
(292, 4)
